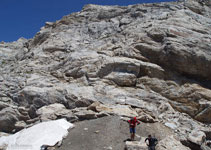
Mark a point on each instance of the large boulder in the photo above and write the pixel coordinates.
(12, 118)
(39, 96)
(54, 111)
(8, 119)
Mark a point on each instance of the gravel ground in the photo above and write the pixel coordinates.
(107, 133)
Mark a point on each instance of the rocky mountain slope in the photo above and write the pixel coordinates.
(147, 60)
(108, 133)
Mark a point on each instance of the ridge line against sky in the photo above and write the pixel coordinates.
(24, 18)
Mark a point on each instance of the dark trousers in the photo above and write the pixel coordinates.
(151, 147)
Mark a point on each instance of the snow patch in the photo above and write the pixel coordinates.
(45, 133)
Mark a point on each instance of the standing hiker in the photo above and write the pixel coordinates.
(132, 122)
(152, 142)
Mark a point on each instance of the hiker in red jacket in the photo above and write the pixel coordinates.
(132, 122)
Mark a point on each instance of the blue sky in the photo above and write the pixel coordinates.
(24, 18)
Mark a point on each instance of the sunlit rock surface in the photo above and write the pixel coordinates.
(154, 57)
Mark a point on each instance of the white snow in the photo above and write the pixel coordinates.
(45, 133)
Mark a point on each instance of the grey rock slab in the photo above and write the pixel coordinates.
(120, 110)
(136, 145)
(197, 137)
(53, 112)
(86, 114)
(122, 79)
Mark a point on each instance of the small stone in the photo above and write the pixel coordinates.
(3, 134)
(97, 131)
(22, 110)
(93, 106)
(108, 148)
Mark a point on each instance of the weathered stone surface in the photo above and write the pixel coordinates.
(197, 137)
(204, 115)
(143, 117)
(32, 112)
(53, 47)
(53, 112)
(189, 98)
(122, 79)
(3, 105)
(121, 110)
(136, 145)
(84, 114)
(82, 103)
(20, 125)
(170, 143)
(34, 120)
(93, 106)
(171, 125)
(205, 147)
(13, 118)
(155, 57)
(8, 119)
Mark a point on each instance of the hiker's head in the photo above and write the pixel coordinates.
(149, 136)
(134, 118)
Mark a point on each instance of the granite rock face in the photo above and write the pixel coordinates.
(154, 57)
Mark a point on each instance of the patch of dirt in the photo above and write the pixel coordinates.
(107, 133)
